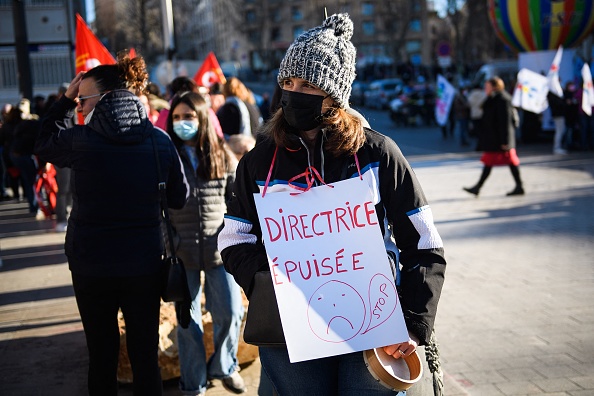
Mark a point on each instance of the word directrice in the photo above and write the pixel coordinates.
(292, 226)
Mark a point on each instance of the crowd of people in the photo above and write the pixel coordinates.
(112, 136)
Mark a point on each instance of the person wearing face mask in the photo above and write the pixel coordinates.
(114, 243)
(313, 130)
(210, 169)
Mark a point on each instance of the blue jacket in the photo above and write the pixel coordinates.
(114, 226)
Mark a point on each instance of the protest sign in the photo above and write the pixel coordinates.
(332, 278)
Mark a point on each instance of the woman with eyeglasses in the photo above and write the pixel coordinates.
(210, 168)
(113, 239)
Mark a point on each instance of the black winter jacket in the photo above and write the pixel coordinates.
(403, 206)
(497, 126)
(114, 226)
(198, 224)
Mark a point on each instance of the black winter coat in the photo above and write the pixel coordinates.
(114, 226)
(497, 127)
(403, 206)
(198, 224)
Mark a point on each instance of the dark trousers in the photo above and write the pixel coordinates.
(99, 299)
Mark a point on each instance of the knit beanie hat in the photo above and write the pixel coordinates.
(324, 56)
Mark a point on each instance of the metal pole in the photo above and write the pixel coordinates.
(22, 49)
(168, 36)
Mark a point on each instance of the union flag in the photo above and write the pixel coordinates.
(210, 72)
(89, 51)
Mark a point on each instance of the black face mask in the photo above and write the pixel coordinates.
(302, 111)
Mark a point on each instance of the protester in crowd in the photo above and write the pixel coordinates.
(314, 130)
(461, 109)
(572, 108)
(497, 137)
(3, 173)
(12, 177)
(38, 105)
(476, 97)
(239, 114)
(63, 175)
(557, 107)
(113, 241)
(210, 169)
(22, 157)
(185, 84)
(217, 98)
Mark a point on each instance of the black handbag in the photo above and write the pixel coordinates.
(263, 323)
(174, 279)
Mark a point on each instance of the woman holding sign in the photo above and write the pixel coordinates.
(313, 143)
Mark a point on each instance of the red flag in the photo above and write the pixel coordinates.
(210, 72)
(132, 53)
(88, 49)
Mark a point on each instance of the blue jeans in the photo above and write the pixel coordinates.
(28, 169)
(344, 375)
(223, 301)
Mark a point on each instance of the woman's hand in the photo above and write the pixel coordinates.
(72, 91)
(403, 349)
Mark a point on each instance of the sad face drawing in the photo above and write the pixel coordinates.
(336, 312)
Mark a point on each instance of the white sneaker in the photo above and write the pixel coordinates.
(61, 226)
(559, 151)
(39, 215)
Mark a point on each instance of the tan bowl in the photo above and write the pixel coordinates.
(396, 374)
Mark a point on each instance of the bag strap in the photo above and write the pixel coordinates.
(162, 185)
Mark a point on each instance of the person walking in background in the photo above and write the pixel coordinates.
(21, 153)
(113, 241)
(476, 97)
(497, 137)
(572, 108)
(461, 110)
(210, 169)
(557, 106)
(313, 129)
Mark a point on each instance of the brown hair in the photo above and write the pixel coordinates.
(497, 83)
(214, 158)
(234, 87)
(344, 131)
(127, 73)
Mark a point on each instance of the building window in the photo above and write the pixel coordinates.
(367, 9)
(369, 28)
(275, 34)
(255, 36)
(276, 15)
(250, 17)
(297, 30)
(413, 46)
(296, 14)
(415, 25)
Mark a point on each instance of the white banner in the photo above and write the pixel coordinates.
(332, 278)
(531, 91)
(444, 100)
(588, 90)
(553, 75)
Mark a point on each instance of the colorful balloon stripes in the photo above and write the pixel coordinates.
(534, 25)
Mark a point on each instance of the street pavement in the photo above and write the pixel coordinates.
(516, 315)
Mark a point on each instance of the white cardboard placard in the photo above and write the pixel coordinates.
(332, 278)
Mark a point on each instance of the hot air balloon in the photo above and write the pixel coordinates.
(536, 25)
